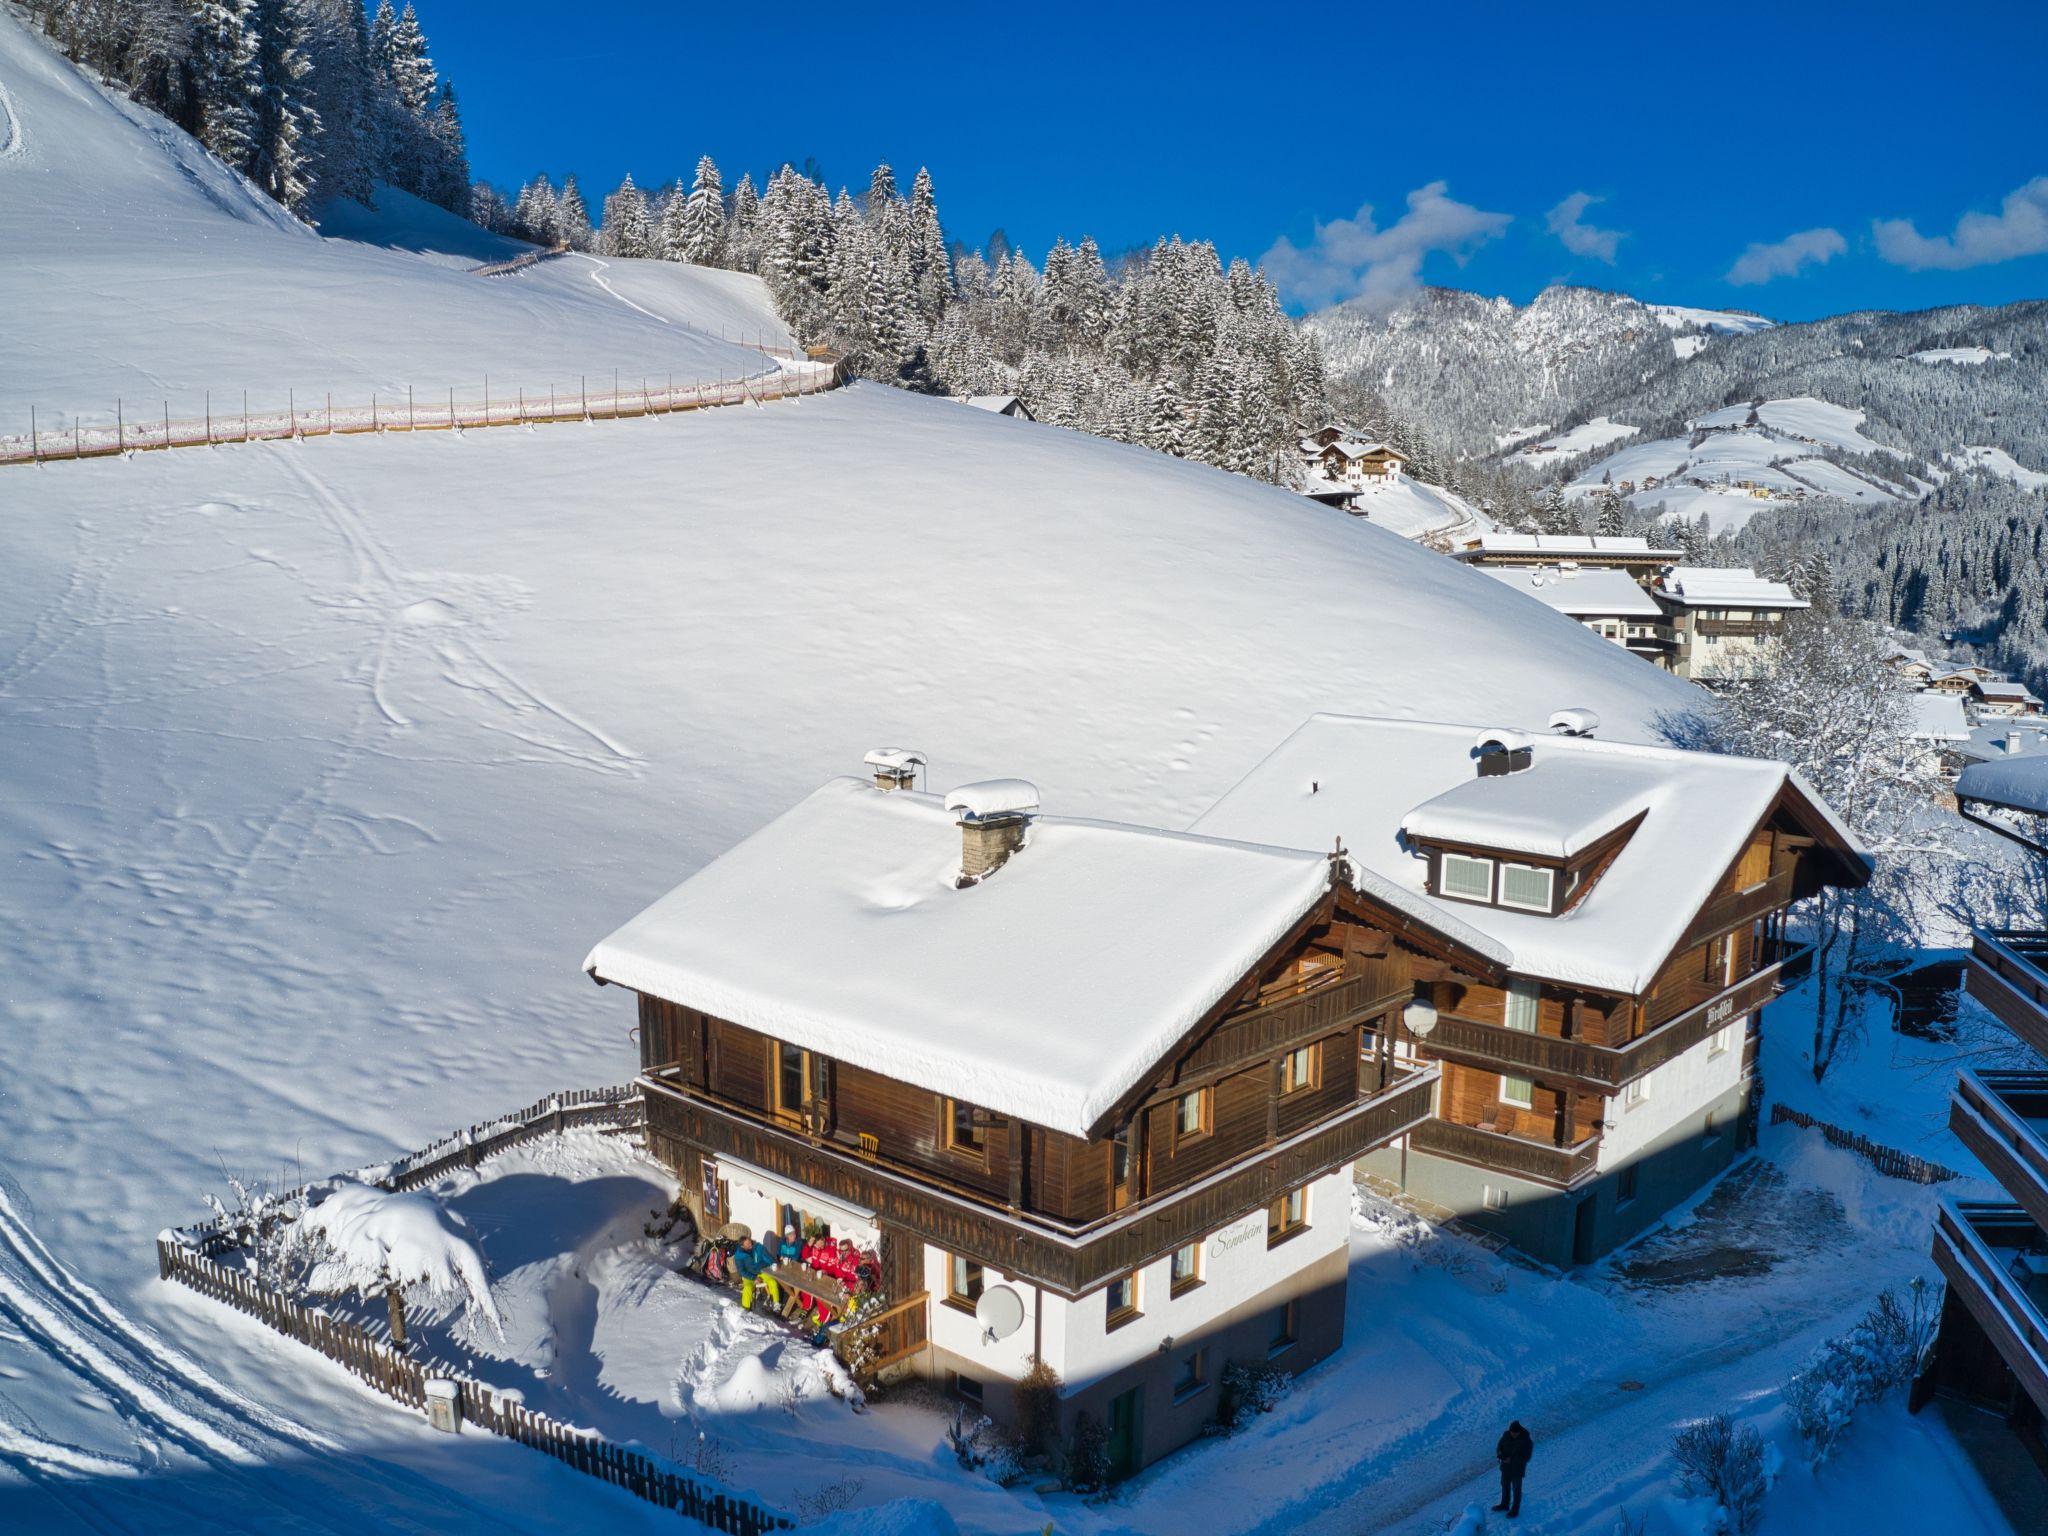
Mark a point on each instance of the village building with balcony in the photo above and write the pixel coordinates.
(1643, 561)
(1992, 1346)
(1616, 922)
(1722, 617)
(1092, 1092)
(1606, 599)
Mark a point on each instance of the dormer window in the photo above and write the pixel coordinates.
(1528, 887)
(1467, 878)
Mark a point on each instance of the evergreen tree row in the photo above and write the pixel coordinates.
(1165, 347)
(309, 99)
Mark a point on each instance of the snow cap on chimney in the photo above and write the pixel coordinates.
(895, 767)
(1501, 752)
(993, 814)
(1575, 722)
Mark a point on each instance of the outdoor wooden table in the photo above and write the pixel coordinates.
(794, 1277)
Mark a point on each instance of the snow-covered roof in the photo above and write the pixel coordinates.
(1363, 450)
(1368, 780)
(1940, 717)
(1563, 545)
(1713, 586)
(2018, 783)
(1000, 404)
(1047, 991)
(1582, 592)
(2000, 688)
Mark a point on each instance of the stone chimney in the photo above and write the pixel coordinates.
(994, 815)
(1500, 753)
(895, 767)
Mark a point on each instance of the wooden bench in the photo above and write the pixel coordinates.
(795, 1278)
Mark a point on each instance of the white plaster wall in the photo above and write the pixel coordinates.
(959, 1333)
(1236, 1266)
(1674, 1093)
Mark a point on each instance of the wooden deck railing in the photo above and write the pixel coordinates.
(2008, 974)
(2008, 1316)
(1561, 1167)
(895, 1334)
(2000, 1117)
(1607, 1066)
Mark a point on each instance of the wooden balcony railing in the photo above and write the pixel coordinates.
(2001, 1117)
(1069, 1258)
(1607, 1066)
(1967, 1235)
(2008, 973)
(869, 1347)
(1738, 908)
(1307, 1014)
(1561, 1167)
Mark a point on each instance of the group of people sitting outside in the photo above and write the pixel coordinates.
(733, 1256)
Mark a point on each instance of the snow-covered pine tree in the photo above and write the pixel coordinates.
(228, 81)
(624, 230)
(447, 177)
(286, 128)
(337, 41)
(930, 271)
(703, 217)
(742, 233)
(572, 219)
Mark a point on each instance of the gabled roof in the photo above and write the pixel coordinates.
(2014, 784)
(1048, 991)
(1591, 592)
(1567, 546)
(1939, 717)
(2000, 688)
(1000, 404)
(1364, 779)
(1713, 586)
(1361, 450)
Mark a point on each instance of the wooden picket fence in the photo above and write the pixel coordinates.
(150, 431)
(189, 1258)
(1889, 1161)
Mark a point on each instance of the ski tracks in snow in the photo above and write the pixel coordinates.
(13, 141)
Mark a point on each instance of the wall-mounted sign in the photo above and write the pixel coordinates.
(1237, 1236)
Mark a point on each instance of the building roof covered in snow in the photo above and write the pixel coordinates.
(840, 927)
(2003, 691)
(2015, 783)
(1354, 449)
(1563, 546)
(1002, 405)
(1582, 592)
(1713, 586)
(1377, 783)
(1940, 717)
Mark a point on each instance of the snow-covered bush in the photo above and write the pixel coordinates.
(1037, 1410)
(982, 1446)
(375, 1242)
(1246, 1392)
(1885, 1350)
(1725, 1463)
(1087, 1459)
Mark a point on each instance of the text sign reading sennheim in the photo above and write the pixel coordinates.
(1237, 1236)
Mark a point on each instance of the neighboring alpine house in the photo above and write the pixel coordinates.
(1614, 921)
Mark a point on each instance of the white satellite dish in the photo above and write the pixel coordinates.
(1000, 1313)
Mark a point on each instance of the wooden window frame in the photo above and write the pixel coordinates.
(1443, 873)
(1288, 1333)
(1280, 1227)
(786, 1114)
(1549, 902)
(1197, 1382)
(1205, 1100)
(1523, 1103)
(1114, 1317)
(949, 1115)
(958, 1300)
(1289, 1082)
(1534, 993)
(1181, 1285)
(1122, 1195)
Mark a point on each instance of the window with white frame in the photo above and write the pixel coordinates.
(1523, 993)
(1719, 1043)
(1517, 1092)
(1493, 1199)
(1466, 877)
(1527, 887)
(1634, 1093)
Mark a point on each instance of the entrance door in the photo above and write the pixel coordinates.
(1582, 1230)
(1123, 1434)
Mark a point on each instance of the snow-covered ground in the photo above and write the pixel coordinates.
(1996, 461)
(1416, 510)
(1584, 438)
(1967, 356)
(1774, 453)
(1727, 322)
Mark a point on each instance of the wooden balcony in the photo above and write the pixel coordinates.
(2008, 973)
(1068, 1259)
(1560, 1167)
(1978, 1246)
(1319, 1006)
(1738, 909)
(1606, 1067)
(2002, 1117)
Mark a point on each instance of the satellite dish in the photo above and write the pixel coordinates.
(1000, 1311)
(1420, 1017)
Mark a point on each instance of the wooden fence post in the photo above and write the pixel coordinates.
(35, 449)
(119, 445)
(245, 415)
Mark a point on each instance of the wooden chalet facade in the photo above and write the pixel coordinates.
(1992, 1346)
(1198, 1219)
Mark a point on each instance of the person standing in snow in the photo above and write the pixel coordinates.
(1513, 1451)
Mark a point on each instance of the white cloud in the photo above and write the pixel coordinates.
(1352, 258)
(2019, 228)
(1566, 221)
(1781, 258)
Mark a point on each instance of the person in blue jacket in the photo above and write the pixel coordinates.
(751, 1262)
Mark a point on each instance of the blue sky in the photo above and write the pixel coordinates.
(1796, 159)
